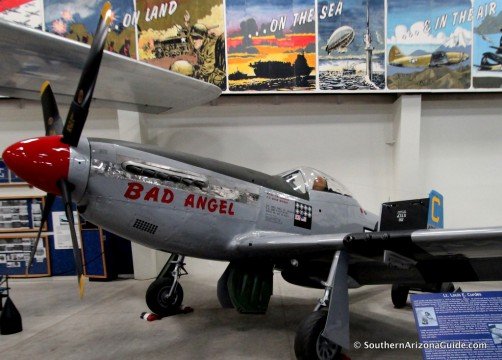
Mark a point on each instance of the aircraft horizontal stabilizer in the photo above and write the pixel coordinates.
(29, 57)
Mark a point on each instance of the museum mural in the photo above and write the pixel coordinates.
(487, 54)
(184, 36)
(295, 46)
(76, 20)
(24, 12)
(271, 45)
(351, 45)
(429, 44)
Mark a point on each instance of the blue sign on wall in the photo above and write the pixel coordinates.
(464, 325)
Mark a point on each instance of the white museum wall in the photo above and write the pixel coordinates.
(349, 137)
(344, 137)
(461, 156)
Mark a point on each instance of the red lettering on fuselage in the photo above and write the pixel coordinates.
(152, 194)
(189, 200)
(133, 191)
(168, 196)
(212, 205)
(201, 202)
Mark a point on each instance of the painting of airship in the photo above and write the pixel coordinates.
(340, 39)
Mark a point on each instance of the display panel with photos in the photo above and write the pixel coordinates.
(15, 250)
(20, 214)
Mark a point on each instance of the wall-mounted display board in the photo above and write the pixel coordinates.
(20, 213)
(8, 178)
(93, 250)
(15, 252)
(291, 46)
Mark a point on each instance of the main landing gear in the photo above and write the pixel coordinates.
(165, 295)
(323, 333)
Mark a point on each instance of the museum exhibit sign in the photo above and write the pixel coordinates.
(292, 46)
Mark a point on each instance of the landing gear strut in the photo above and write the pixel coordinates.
(165, 295)
(322, 334)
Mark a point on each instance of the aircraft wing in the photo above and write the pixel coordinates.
(29, 57)
(417, 245)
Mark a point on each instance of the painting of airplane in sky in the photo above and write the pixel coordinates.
(429, 44)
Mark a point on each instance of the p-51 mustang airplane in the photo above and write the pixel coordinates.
(436, 59)
(301, 222)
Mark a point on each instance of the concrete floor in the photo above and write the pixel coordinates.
(106, 323)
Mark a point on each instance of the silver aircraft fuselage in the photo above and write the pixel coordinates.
(196, 206)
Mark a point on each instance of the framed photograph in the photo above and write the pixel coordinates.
(21, 214)
(15, 250)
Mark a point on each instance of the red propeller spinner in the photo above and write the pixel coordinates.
(41, 162)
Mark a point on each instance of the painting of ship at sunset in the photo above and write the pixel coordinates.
(271, 45)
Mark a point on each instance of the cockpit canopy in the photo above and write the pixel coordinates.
(302, 180)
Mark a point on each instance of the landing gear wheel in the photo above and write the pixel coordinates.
(399, 295)
(447, 287)
(309, 344)
(158, 299)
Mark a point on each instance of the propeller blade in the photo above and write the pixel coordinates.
(52, 120)
(66, 194)
(79, 108)
(45, 215)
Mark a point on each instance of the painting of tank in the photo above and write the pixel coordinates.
(351, 45)
(76, 20)
(487, 52)
(187, 37)
(271, 45)
(23, 12)
(429, 44)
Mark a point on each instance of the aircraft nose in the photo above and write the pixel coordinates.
(41, 162)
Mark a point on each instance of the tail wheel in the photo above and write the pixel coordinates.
(309, 344)
(158, 299)
(447, 287)
(399, 295)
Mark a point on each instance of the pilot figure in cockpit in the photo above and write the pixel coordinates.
(320, 184)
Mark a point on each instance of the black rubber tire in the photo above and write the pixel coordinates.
(222, 290)
(156, 297)
(447, 287)
(399, 295)
(309, 344)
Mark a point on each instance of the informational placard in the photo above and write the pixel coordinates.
(465, 325)
(62, 235)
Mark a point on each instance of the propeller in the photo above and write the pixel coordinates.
(71, 131)
(52, 120)
(79, 107)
